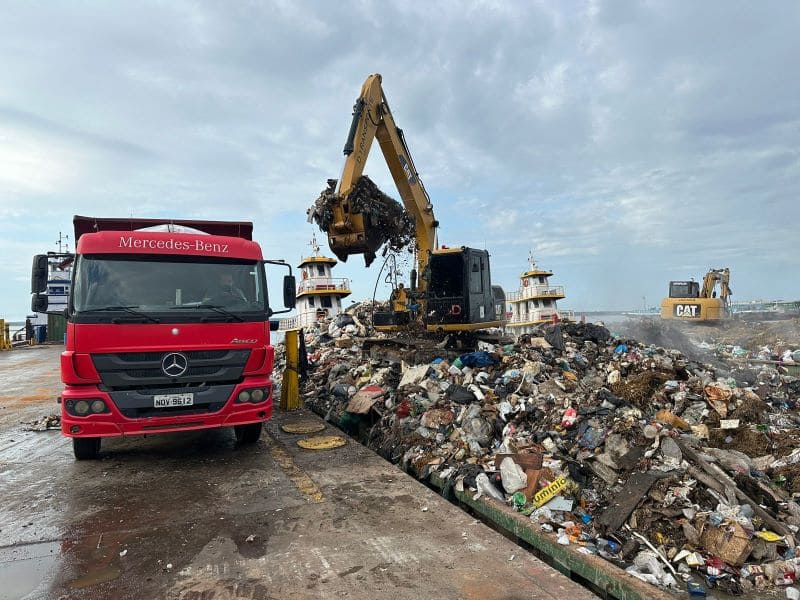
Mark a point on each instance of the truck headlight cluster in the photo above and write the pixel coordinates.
(86, 406)
(254, 395)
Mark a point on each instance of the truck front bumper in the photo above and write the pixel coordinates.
(113, 423)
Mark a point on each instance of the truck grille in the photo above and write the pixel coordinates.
(157, 356)
(138, 370)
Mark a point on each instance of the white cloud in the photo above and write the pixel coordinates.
(618, 139)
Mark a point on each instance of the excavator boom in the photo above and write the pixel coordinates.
(450, 288)
(351, 231)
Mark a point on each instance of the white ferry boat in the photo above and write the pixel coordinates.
(535, 302)
(59, 280)
(319, 294)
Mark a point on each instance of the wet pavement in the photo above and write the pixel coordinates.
(193, 516)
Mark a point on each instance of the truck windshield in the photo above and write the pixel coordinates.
(169, 284)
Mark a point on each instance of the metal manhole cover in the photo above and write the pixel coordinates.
(322, 442)
(303, 427)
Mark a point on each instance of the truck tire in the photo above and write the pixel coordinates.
(248, 434)
(85, 448)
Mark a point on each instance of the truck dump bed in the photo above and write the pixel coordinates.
(240, 229)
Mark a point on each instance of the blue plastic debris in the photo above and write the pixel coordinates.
(695, 589)
(477, 359)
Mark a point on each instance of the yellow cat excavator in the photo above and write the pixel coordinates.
(687, 302)
(450, 288)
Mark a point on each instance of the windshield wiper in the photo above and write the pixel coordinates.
(218, 309)
(128, 309)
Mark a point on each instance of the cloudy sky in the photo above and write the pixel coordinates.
(626, 143)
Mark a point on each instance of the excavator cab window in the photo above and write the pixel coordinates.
(684, 289)
(447, 276)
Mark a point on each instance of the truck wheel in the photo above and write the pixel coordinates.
(85, 448)
(248, 434)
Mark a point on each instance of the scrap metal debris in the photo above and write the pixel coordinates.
(45, 423)
(633, 452)
(387, 222)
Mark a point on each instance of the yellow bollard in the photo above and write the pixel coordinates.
(5, 338)
(290, 388)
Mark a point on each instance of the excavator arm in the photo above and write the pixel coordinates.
(451, 288)
(714, 276)
(350, 231)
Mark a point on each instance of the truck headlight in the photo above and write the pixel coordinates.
(82, 407)
(98, 406)
(256, 395)
(244, 396)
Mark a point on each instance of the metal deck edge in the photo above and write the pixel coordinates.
(607, 577)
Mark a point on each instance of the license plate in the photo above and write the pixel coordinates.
(169, 400)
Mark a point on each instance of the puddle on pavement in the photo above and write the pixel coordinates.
(101, 575)
(26, 570)
(91, 560)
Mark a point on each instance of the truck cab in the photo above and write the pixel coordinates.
(167, 330)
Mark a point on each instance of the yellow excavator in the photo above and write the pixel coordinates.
(687, 302)
(450, 288)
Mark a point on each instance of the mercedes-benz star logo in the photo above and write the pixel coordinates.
(174, 364)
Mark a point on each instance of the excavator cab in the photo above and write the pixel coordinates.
(459, 289)
(684, 289)
(459, 294)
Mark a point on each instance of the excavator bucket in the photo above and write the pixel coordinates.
(362, 221)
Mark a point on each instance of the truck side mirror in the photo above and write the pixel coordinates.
(289, 291)
(289, 294)
(274, 325)
(39, 274)
(39, 302)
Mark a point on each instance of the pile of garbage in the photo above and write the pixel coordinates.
(682, 473)
(785, 358)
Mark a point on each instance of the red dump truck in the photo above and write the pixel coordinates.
(168, 329)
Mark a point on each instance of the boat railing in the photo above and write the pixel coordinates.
(304, 319)
(323, 284)
(289, 323)
(533, 315)
(536, 291)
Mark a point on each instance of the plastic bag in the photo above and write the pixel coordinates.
(512, 475)
(477, 359)
(486, 487)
